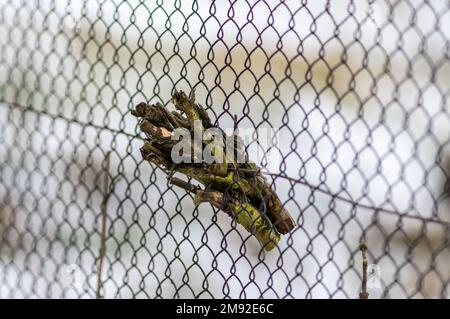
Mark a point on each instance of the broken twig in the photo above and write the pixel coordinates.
(235, 186)
(104, 210)
(364, 294)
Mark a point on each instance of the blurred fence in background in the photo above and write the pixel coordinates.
(358, 91)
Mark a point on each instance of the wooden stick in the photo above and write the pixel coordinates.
(104, 209)
(249, 197)
(364, 294)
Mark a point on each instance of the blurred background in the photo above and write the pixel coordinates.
(357, 90)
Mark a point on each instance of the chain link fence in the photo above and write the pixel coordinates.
(358, 90)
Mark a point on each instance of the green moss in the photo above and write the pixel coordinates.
(249, 217)
(228, 181)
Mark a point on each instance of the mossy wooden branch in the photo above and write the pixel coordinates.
(245, 214)
(239, 189)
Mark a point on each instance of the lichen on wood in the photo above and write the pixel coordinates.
(236, 187)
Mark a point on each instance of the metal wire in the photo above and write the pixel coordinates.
(359, 92)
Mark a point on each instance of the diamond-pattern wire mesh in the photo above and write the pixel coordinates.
(358, 90)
